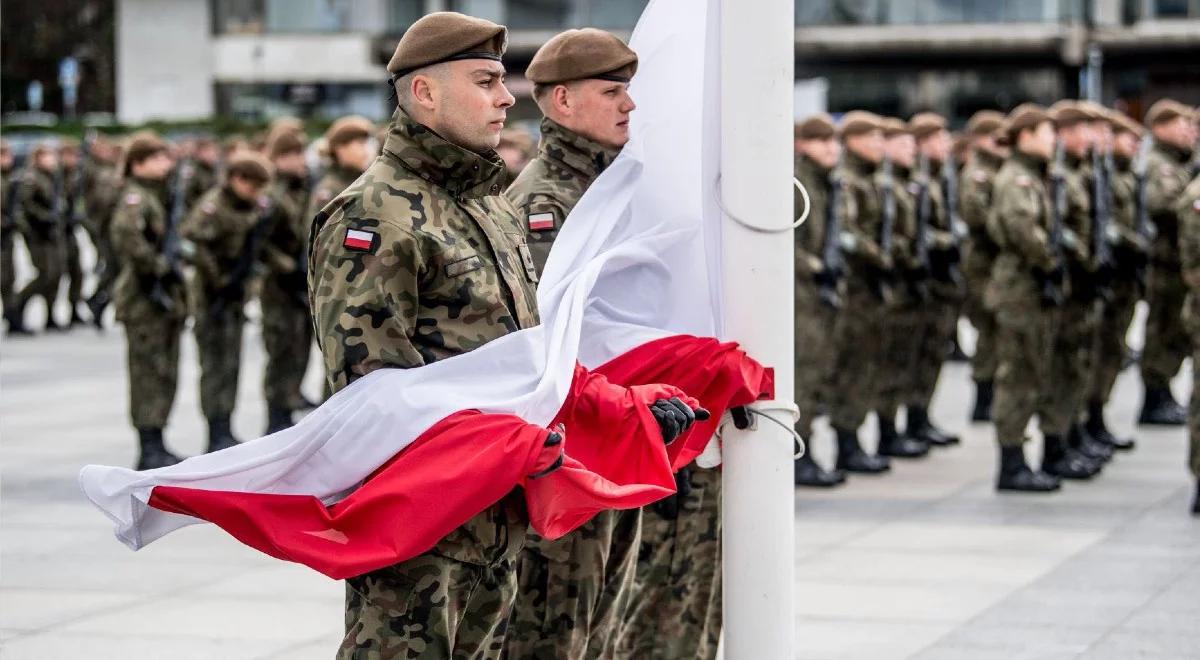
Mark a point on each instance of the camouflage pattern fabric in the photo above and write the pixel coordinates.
(939, 316)
(287, 325)
(72, 267)
(906, 315)
(102, 195)
(8, 227)
(1187, 209)
(421, 259)
(203, 178)
(1117, 312)
(975, 200)
(43, 236)
(552, 183)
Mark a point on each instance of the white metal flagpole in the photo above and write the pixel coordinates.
(757, 275)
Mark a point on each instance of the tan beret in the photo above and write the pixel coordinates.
(348, 129)
(68, 144)
(1068, 113)
(984, 122)
(1026, 115)
(1123, 123)
(141, 145)
(1165, 110)
(284, 142)
(250, 165)
(857, 122)
(445, 36)
(816, 127)
(924, 124)
(893, 127)
(1097, 111)
(580, 54)
(281, 124)
(1001, 134)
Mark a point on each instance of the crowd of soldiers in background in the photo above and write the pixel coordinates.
(1044, 227)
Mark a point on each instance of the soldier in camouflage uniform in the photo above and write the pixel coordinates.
(227, 228)
(1187, 209)
(74, 182)
(287, 324)
(517, 149)
(975, 200)
(206, 157)
(1166, 340)
(8, 227)
(348, 141)
(104, 184)
(149, 295)
(41, 223)
(819, 286)
(856, 376)
(581, 80)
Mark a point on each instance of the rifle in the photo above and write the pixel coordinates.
(1142, 223)
(831, 249)
(1052, 282)
(946, 267)
(58, 206)
(78, 208)
(883, 288)
(171, 245)
(921, 235)
(244, 266)
(1101, 219)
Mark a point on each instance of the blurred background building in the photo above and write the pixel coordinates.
(255, 59)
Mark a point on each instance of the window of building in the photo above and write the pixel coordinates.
(403, 13)
(932, 12)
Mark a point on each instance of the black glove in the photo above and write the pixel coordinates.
(552, 440)
(668, 507)
(674, 417)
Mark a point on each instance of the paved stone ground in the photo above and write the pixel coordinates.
(926, 562)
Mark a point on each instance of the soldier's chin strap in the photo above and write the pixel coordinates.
(765, 230)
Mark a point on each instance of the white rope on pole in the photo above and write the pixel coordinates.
(765, 230)
(759, 409)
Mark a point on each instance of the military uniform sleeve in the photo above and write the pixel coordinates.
(201, 227)
(1163, 188)
(1017, 211)
(365, 283)
(541, 217)
(975, 200)
(1188, 209)
(37, 203)
(866, 246)
(128, 235)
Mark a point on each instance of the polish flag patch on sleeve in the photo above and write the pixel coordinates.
(359, 240)
(541, 221)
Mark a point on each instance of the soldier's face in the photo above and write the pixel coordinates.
(70, 158)
(154, 167)
(1125, 144)
(902, 150)
(822, 152)
(355, 154)
(6, 159)
(469, 103)
(46, 161)
(1178, 133)
(1102, 135)
(1077, 138)
(291, 163)
(1039, 141)
(596, 109)
(207, 153)
(247, 190)
(868, 146)
(936, 146)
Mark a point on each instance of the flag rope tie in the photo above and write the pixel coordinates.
(765, 230)
(760, 409)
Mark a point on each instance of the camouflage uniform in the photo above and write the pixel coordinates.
(1187, 210)
(102, 189)
(152, 333)
(438, 224)
(72, 266)
(8, 226)
(1019, 224)
(219, 226)
(1166, 340)
(42, 229)
(335, 179)
(202, 178)
(683, 620)
(979, 254)
(572, 592)
(939, 316)
(287, 324)
(906, 315)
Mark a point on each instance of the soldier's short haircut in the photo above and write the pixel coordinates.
(404, 83)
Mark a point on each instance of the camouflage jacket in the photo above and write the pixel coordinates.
(1166, 176)
(8, 221)
(552, 183)
(419, 260)
(810, 236)
(864, 254)
(974, 202)
(101, 191)
(1020, 224)
(330, 185)
(202, 178)
(219, 228)
(905, 189)
(137, 232)
(1187, 209)
(287, 245)
(38, 216)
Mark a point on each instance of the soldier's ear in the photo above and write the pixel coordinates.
(421, 90)
(560, 98)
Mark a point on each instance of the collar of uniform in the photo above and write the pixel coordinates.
(344, 173)
(291, 181)
(573, 150)
(156, 186)
(810, 166)
(1072, 161)
(1173, 152)
(462, 172)
(988, 159)
(1031, 161)
(235, 202)
(1121, 163)
(858, 164)
(900, 172)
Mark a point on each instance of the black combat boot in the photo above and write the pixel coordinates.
(15, 317)
(920, 427)
(984, 389)
(76, 317)
(220, 434)
(1061, 461)
(96, 305)
(278, 419)
(1159, 408)
(1099, 430)
(51, 324)
(1081, 441)
(1196, 502)
(892, 443)
(1016, 475)
(809, 473)
(153, 453)
(852, 458)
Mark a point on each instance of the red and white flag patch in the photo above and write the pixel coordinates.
(356, 239)
(541, 221)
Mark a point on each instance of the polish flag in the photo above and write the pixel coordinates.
(630, 307)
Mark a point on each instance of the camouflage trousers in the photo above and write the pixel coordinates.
(676, 601)
(1166, 340)
(983, 363)
(814, 354)
(1114, 322)
(901, 341)
(8, 274)
(939, 324)
(219, 344)
(73, 268)
(287, 336)
(858, 359)
(108, 274)
(430, 607)
(573, 592)
(1192, 325)
(47, 257)
(152, 351)
(1025, 335)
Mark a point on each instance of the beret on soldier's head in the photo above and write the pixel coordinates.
(580, 54)
(283, 124)
(893, 127)
(143, 144)
(924, 124)
(817, 127)
(69, 144)
(445, 36)
(284, 142)
(1097, 111)
(1165, 110)
(348, 129)
(857, 122)
(1123, 123)
(249, 165)
(1068, 113)
(1026, 115)
(984, 122)
(1001, 134)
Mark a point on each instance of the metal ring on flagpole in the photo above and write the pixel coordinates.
(786, 406)
(765, 230)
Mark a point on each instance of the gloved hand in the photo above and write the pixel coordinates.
(674, 417)
(669, 507)
(553, 440)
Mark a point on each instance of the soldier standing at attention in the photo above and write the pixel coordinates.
(8, 228)
(74, 183)
(206, 158)
(984, 158)
(287, 324)
(1188, 211)
(1170, 124)
(149, 294)
(348, 141)
(41, 222)
(819, 287)
(855, 379)
(581, 81)
(227, 228)
(102, 190)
